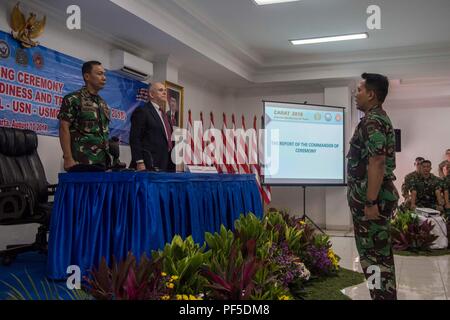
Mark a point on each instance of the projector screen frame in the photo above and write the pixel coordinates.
(305, 103)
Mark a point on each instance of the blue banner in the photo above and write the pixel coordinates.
(34, 81)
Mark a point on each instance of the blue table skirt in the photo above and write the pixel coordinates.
(99, 215)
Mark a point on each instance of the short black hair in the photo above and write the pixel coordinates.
(426, 161)
(420, 159)
(378, 84)
(87, 67)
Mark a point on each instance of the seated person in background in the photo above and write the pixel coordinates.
(426, 190)
(447, 158)
(442, 168)
(410, 179)
(84, 121)
(446, 187)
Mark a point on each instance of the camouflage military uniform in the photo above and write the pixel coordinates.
(445, 186)
(426, 191)
(443, 182)
(89, 118)
(410, 180)
(374, 136)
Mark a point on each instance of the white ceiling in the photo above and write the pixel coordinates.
(265, 30)
(235, 43)
(414, 40)
(105, 20)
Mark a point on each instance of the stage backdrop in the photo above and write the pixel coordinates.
(34, 81)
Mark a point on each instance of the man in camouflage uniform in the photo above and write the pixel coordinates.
(426, 191)
(372, 196)
(84, 121)
(445, 185)
(447, 158)
(410, 180)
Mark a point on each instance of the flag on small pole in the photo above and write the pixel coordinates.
(188, 152)
(242, 150)
(266, 192)
(233, 138)
(229, 145)
(198, 141)
(213, 145)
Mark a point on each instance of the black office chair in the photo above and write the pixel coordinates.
(24, 189)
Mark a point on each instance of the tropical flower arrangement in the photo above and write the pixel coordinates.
(262, 259)
(270, 258)
(290, 266)
(315, 251)
(409, 234)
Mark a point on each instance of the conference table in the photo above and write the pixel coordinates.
(108, 214)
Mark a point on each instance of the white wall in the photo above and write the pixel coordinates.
(426, 133)
(201, 96)
(423, 117)
(338, 216)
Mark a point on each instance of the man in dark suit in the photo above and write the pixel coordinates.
(151, 131)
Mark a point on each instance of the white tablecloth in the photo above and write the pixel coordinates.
(439, 230)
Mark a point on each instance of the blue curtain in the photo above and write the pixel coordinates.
(98, 215)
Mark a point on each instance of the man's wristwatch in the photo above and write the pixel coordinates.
(371, 203)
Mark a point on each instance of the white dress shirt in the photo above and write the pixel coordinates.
(159, 111)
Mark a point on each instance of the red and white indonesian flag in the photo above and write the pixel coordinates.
(229, 145)
(235, 149)
(266, 192)
(198, 141)
(242, 149)
(188, 151)
(215, 148)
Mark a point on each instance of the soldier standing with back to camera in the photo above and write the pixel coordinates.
(372, 196)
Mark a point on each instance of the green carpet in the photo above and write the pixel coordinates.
(329, 288)
(431, 253)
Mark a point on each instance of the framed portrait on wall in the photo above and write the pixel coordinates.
(175, 104)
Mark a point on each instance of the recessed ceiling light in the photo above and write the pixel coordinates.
(330, 39)
(264, 2)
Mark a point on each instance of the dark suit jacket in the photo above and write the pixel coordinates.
(148, 139)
